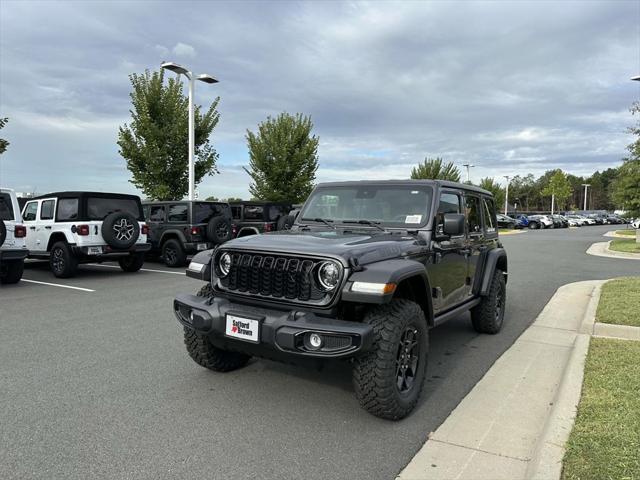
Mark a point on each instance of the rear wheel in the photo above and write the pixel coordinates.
(533, 225)
(173, 254)
(389, 378)
(61, 260)
(11, 271)
(131, 263)
(488, 315)
(202, 351)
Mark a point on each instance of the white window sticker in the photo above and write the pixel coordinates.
(413, 219)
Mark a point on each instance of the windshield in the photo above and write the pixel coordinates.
(6, 209)
(403, 206)
(100, 207)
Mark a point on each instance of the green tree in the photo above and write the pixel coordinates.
(283, 158)
(433, 169)
(559, 187)
(494, 187)
(234, 199)
(211, 198)
(626, 188)
(3, 143)
(523, 192)
(155, 144)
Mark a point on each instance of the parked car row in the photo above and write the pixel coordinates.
(539, 221)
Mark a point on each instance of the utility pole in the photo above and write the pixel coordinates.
(586, 186)
(468, 166)
(506, 197)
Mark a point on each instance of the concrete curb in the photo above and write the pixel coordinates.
(622, 332)
(515, 421)
(547, 460)
(613, 234)
(601, 249)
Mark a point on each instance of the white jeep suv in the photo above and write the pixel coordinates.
(13, 248)
(69, 228)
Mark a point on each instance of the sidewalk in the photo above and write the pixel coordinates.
(601, 249)
(515, 421)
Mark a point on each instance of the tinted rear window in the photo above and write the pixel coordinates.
(203, 212)
(67, 209)
(99, 207)
(6, 208)
(252, 212)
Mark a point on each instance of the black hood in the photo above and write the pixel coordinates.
(366, 247)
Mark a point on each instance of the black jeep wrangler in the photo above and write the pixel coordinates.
(252, 217)
(181, 228)
(364, 273)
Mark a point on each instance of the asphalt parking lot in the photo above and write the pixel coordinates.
(96, 382)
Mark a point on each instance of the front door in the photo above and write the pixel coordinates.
(449, 270)
(30, 218)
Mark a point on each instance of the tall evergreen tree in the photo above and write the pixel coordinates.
(626, 190)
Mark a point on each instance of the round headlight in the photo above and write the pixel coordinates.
(224, 264)
(329, 275)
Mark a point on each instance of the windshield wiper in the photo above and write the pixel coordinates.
(366, 222)
(323, 220)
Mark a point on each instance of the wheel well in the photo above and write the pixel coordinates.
(415, 289)
(169, 236)
(55, 237)
(246, 231)
(501, 264)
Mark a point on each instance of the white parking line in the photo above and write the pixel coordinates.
(58, 285)
(142, 269)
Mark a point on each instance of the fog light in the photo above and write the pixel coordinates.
(315, 341)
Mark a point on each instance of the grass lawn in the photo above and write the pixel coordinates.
(631, 232)
(605, 441)
(620, 303)
(624, 245)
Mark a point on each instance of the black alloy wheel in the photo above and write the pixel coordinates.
(407, 360)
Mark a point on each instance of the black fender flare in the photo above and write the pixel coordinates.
(200, 265)
(169, 233)
(390, 271)
(493, 258)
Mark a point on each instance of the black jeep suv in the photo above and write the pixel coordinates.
(253, 217)
(364, 273)
(181, 228)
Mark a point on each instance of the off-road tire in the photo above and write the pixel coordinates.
(219, 230)
(131, 263)
(205, 354)
(375, 373)
(3, 232)
(62, 261)
(11, 271)
(285, 222)
(173, 255)
(110, 235)
(488, 315)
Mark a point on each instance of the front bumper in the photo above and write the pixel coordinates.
(281, 332)
(109, 252)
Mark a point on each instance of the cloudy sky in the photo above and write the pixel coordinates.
(512, 87)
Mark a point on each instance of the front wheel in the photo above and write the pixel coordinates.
(131, 263)
(63, 263)
(12, 271)
(488, 315)
(389, 378)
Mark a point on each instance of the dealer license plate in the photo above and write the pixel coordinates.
(94, 250)
(201, 246)
(242, 328)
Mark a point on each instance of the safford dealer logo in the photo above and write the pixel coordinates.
(241, 328)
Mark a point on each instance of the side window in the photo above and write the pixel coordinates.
(67, 209)
(449, 203)
(30, 211)
(156, 214)
(46, 209)
(472, 212)
(145, 211)
(489, 215)
(178, 213)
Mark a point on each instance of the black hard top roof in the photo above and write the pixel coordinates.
(172, 202)
(259, 203)
(438, 183)
(84, 194)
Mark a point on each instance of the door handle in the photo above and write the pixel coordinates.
(32, 228)
(48, 227)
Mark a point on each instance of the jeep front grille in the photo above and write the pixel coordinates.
(276, 276)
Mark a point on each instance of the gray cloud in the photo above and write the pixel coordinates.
(513, 87)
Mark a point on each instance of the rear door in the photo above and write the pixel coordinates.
(156, 218)
(449, 271)
(475, 237)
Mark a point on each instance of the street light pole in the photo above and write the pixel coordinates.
(180, 70)
(468, 166)
(506, 197)
(586, 186)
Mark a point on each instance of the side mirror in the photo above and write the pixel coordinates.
(453, 224)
